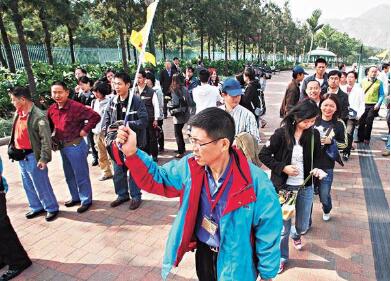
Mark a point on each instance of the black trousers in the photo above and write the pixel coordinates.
(91, 142)
(206, 262)
(12, 252)
(151, 147)
(160, 139)
(366, 122)
(179, 138)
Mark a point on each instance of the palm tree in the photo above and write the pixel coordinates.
(313, 25)
(327, 32)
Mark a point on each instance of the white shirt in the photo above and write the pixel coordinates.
(206, 96)
(99, 106)
(244, 121)
(298, 161)
(356, 99)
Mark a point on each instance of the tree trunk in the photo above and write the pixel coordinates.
(312, 42)
(2, 60)
(237, 47)
(42, 17)
(7, 45)
(135, 55)
(208, 47)
(213, 49)
(123, 49)
(71, 44)
(244, 49)
(151, 42)
(17, 19)
(226, 43)
(182, 36)
(202, 44)
(164, 34)
(128, 48)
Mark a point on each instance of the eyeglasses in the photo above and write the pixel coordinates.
(194, 142)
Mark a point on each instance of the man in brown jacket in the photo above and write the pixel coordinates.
(292, 93)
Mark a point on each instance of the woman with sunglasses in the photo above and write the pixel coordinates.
(291, 154)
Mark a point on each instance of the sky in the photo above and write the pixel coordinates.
(302, 9)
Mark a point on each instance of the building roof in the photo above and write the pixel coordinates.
(322, 52)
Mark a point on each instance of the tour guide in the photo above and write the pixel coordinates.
(229, 210)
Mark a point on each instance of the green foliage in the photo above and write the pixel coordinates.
(5, 127)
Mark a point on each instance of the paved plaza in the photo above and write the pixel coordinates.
(118, 244)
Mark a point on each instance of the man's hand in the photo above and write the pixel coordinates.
(291, 170)
(41, 165)
(128, 139)
(377, 107)
(83, 133)
(325, 140)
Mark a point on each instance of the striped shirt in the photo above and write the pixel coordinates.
(244, 121)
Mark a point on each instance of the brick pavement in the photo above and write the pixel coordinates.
(119, 244)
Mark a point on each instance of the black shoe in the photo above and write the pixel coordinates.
(71, 203)
(12, 273)
(83, 208)
(134, 204)
(345, 157)
(31, 214)
(95, 162)
(118, 202)
(50, 216)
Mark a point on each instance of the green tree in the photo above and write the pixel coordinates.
(6, 42)
(313, 24)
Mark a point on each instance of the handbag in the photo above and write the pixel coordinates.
(178, 110)
(288, 198)
(16, 154)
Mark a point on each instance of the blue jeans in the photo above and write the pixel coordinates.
(124, 183)
(37, 186)
(77, 176)
(303, 211)
(324, 191)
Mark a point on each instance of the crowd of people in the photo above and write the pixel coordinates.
(227, 200)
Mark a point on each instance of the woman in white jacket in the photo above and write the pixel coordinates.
(356, 108)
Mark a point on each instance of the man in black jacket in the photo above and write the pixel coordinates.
(320, 76)
(343, 100)
(292, 93)
(137, 119)
(165, 82)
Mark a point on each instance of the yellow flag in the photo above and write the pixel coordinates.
(139, 38)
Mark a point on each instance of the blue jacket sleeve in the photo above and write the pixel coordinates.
(381, 94)
(267, 224)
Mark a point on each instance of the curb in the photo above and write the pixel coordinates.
(4, 141)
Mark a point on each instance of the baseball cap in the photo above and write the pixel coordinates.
(299, 69)
(232, 87)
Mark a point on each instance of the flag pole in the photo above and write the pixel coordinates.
(141, 57)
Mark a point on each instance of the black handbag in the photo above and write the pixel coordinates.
(17, 154)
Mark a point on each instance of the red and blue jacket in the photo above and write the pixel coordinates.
(250, 225)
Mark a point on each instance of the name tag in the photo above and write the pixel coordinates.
(209, 225)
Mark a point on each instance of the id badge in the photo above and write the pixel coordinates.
(209, 225)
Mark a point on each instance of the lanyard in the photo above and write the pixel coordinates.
(214, 202)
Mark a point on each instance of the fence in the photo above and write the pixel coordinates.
(37, 53)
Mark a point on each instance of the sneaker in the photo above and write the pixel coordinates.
(297, 244)
(326, 217)
(386, 152)
(282, 267)
(345, 157)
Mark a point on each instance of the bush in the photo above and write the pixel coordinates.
(5, 127)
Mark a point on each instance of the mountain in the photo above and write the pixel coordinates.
(372, 27)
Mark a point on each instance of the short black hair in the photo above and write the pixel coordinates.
(102, 87)
(320, 60)
(385, 65)
(123, 76)
(21, 92)
(354, 72)
(333, 73)
(175, 58)
(204, 75)
(60, 83)
(151, 77)
(85, 80)
(344, 73)
(81, 69)
(217, 123)
(143, 73)
(189, 67)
